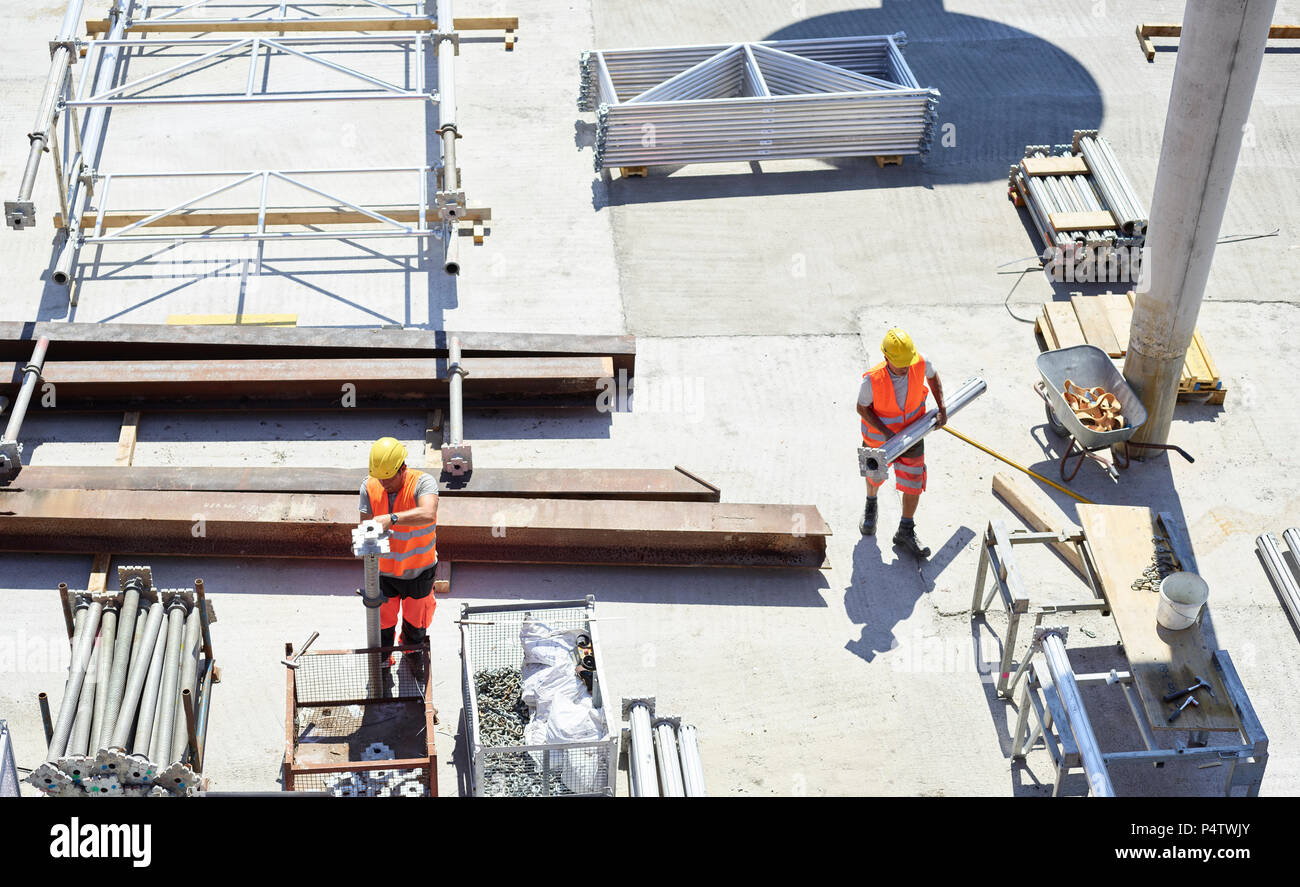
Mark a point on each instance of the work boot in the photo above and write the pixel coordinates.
(906, 538)
(868, 523)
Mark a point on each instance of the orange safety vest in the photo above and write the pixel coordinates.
(885, 402)
(412, 549)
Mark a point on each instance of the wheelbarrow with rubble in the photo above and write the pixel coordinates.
(1113, 411)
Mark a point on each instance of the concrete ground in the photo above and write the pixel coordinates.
(758, 294)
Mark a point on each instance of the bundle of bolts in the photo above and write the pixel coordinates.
(1162, 564)
(502, 712)
(377, 783)
(122, 728)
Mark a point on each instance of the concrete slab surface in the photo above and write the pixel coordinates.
(759, 294)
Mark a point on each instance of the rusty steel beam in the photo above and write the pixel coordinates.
(152, 341)
(643, 484)
(363, 383)
(470, 529)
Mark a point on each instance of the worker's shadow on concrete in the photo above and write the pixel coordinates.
(881, 595)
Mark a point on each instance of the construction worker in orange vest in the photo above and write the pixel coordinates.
(405, 502)
(892, 396)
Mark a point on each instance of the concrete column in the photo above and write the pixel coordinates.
(1219, 56)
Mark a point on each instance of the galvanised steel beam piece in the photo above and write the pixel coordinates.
(642, 774)
(141, 655)
(25, 378)
(874, 462)
(642, 484)
(688, 743)
(130, 628)
(1094, 764)
(1284, 581)
(83, 647)
(670, 765)
(471, 529)
(457, 458)
(837, 97)
(169, 695)
(153, 341)
(107, 642)
(367, 383)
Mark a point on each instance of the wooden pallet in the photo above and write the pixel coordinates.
(883, 160)
(1104, 321)
(1146, 31)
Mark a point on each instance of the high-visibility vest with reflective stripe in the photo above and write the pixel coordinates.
(413, 548)
(885, 402)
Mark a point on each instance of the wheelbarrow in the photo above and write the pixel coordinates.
(1089, 367)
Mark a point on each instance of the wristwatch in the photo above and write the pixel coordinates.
(392, 519)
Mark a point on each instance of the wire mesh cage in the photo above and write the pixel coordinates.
(360, 727)
(8, 770)
(502, 763)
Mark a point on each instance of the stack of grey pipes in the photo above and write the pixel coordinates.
(768, 100)
(121, 728)
(663, 755)
(1104, 187)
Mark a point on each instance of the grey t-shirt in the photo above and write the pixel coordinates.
(900, 386)
(425, 486)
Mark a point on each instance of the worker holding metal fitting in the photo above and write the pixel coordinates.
(891, 397)
(405, 503)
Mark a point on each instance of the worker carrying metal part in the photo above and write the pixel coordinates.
(892, 396)
(405, 503)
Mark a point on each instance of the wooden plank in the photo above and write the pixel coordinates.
(233, 319)
(1093, 220)
(442, 578)
(1095, 324)
(126, 438)
(1195, 367)
(1044, 329)
(1199, 341)
(1065, 324)
(1072, 165)
(1119, 311)
(1161, 661)
(433, 440)
(1039, 513)
(98, 583)
(248, 217)
(320, 23)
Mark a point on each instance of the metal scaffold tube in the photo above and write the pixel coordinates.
(641, 758)
(145, 728)
(104, 654)
(1058, 663)
(10, 454)
(670, 768)
(93, 143)
(141, 656)
(188, 679)
(688, 743)
(169, 693)
(79, 742)
(1278, 572)
(129, 629)
(457, 459)
(874, 462)
(21, 212)
(83, 646)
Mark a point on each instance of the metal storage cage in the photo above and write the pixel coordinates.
(490, 641)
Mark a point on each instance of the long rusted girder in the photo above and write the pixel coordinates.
(645, 484)
(320, 383)
(151, 341)
(470, 529)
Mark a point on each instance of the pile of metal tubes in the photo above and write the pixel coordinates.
(1104, 187)
(776, 99)
(663, 755)
(122, 727)
(1280, 573)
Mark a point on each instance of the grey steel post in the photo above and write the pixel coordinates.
(368, 543)
(130, 627)
(457, 460)
(188, 679)
(21, 213)
(104, 653)
(79, 741)
(140, 656)
(1278, 572)
(670, 767)
(692, 764)
(169, 694)
(874, 462)
(449, 199)
(10, 450)
(641, 757)
(43, 699)
(145, 727)
(93, 144)
(83, 646)
(1058, 662)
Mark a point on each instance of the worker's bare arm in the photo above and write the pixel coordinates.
(937, 387)
(868, 414)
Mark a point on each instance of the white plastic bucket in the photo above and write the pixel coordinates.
(1181, 597)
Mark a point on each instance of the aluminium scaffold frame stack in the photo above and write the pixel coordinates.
(257, 32)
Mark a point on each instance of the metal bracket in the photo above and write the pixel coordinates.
(127, 573)
(872, 464)
(73, 46)
(629, 701)
(1063, 632)
(457, 460)
(440, 36)
(20, 214)
(450, 204)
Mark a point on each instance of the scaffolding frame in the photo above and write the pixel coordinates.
(298, 30)
(1047, 704)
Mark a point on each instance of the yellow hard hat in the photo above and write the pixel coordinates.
(898, 348)
(386, 456)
